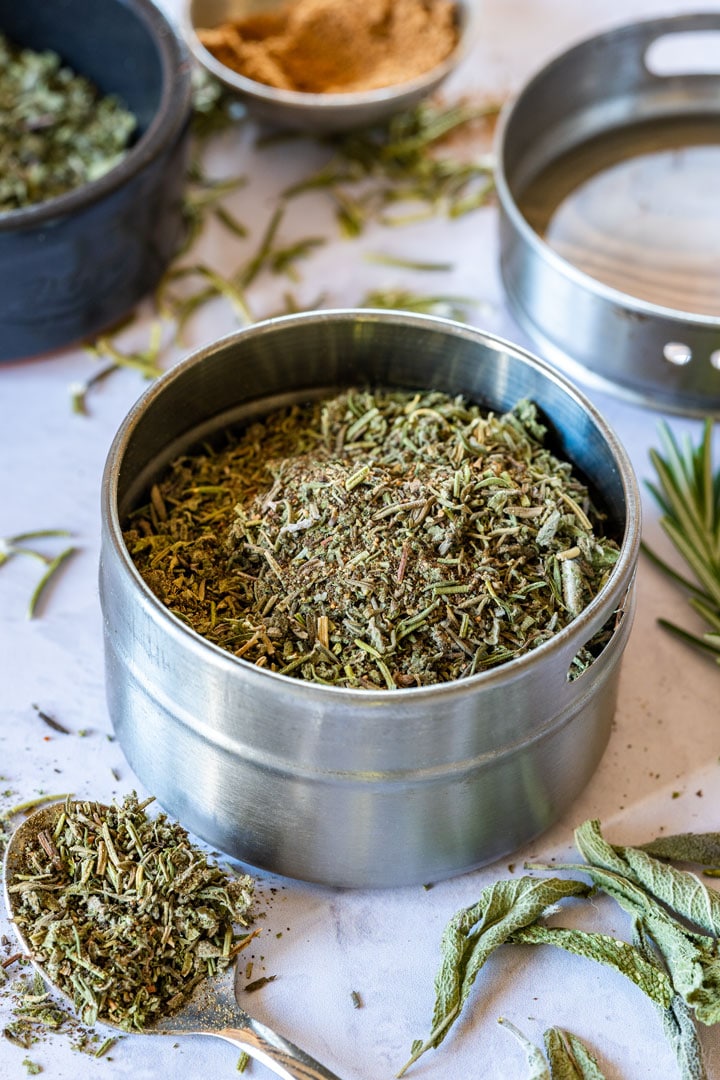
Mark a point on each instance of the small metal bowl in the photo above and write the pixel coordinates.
(618, 285)
(340, 786)
(79, 262)
(317, 113)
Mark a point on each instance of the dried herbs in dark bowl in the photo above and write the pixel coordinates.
(82, 240)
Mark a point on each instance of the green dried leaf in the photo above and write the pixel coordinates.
(569, 1058)
(677, 1020)
(474, 933)
(683, 892)
(56, 130)
(612, 952)
(702, 848)
(691, 958)
(537, 1066)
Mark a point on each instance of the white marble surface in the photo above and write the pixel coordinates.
(660, 771)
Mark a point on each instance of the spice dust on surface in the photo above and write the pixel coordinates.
(337, 46)
(375, 540)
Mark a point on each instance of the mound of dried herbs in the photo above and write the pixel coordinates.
(56, 130)
(124, 913)
(375, 539)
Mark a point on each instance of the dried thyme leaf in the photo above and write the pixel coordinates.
(474, 933)
(537, 1066)
(569, 1057)
(375, 540)
(124, 913)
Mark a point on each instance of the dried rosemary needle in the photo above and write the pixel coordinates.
(375, 539)
(124, 913)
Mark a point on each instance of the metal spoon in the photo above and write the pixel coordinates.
(213, 1008)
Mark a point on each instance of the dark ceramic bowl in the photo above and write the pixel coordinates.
(77, 263)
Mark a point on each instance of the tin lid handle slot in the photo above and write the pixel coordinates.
(694, 52)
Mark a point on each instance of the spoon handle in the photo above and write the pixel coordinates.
(280, 1056)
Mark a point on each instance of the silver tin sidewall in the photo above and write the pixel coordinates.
(595, 333)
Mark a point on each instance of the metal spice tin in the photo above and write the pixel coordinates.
(339, 786)
(610, 216)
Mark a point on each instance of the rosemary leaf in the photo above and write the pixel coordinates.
(688, 494)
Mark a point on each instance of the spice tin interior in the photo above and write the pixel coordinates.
(610, 224)
(341, 786)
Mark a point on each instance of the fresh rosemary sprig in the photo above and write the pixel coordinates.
(688, 493)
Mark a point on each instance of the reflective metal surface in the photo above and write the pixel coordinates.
(623, 292)
(345, 787)
(314, 112)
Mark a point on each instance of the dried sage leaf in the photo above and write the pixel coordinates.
(681, 891)
(475, 932)
(691, 958)
(677, 1020)
(612, 952)
(569, 1057)
(537, 1066)
(702, 848)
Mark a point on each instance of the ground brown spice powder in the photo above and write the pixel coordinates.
(337, 46)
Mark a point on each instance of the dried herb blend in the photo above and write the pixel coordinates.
(56, 130)
(124, 913)
(375, 539)
(337, 46)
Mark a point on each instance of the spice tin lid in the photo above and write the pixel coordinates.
(610, 211)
